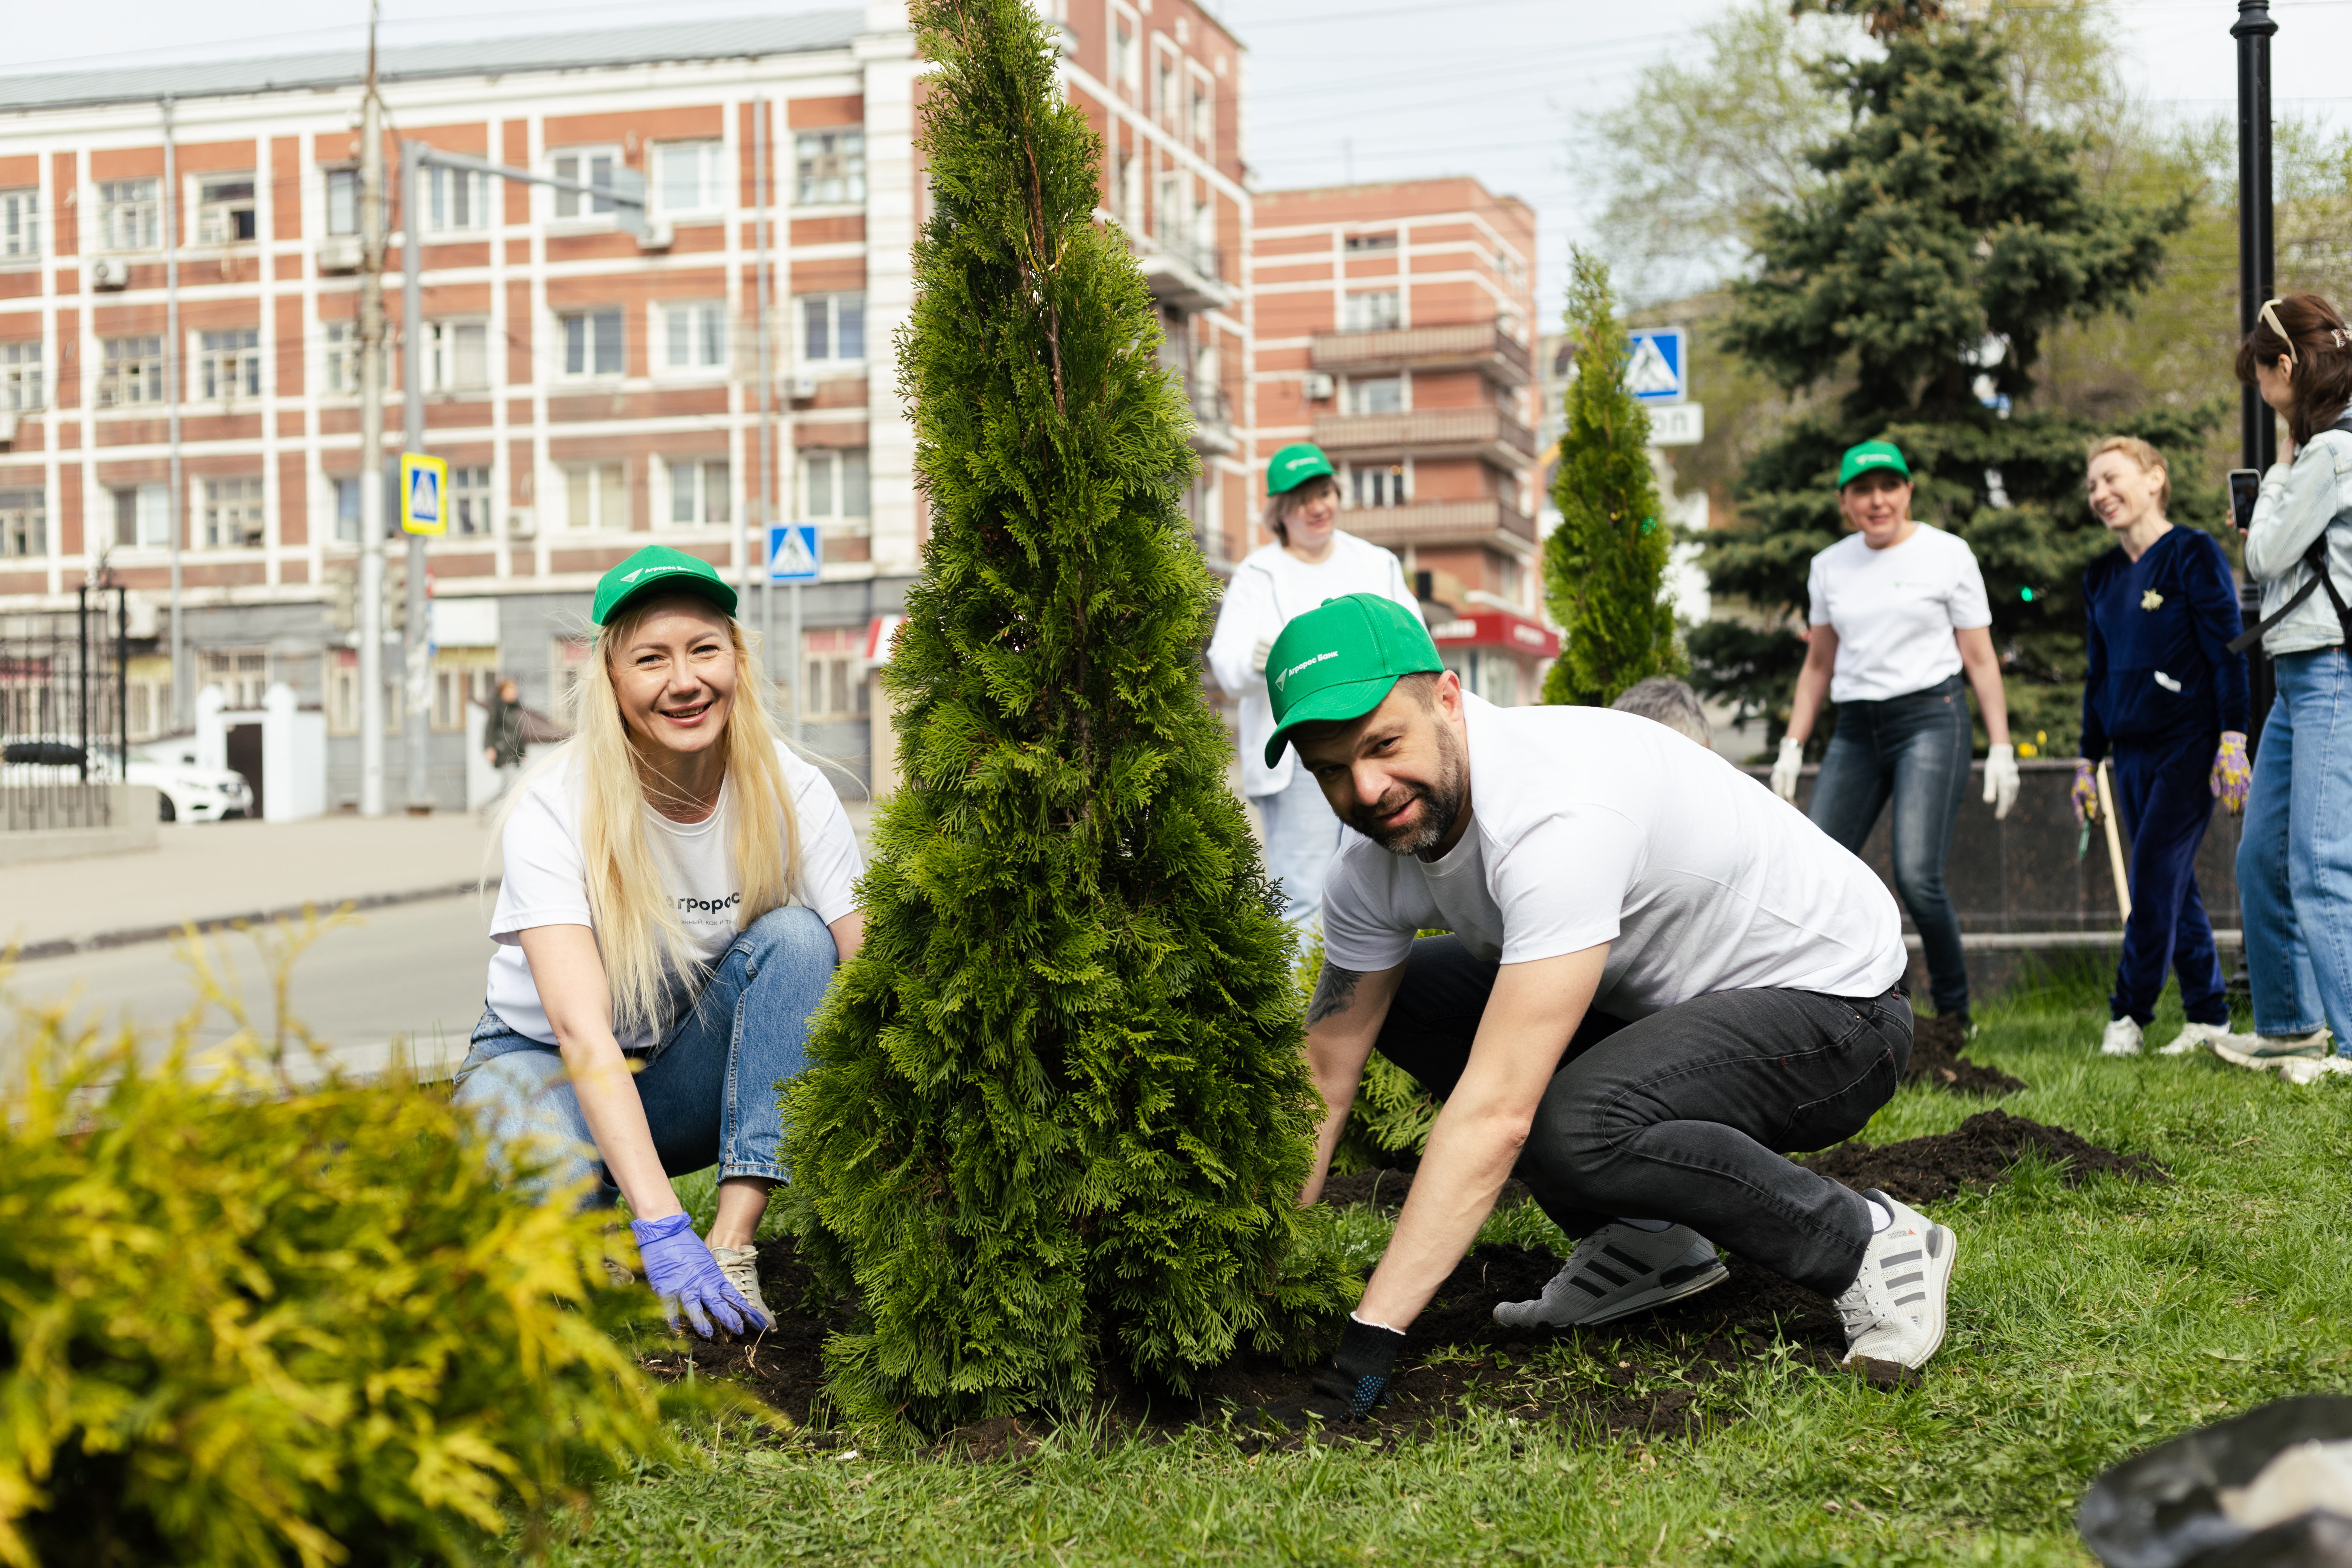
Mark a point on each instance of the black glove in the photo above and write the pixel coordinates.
(1358, 1372)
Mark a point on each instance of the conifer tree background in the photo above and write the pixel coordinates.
(1605, 564)
(1949, 236)
(1056, 1115)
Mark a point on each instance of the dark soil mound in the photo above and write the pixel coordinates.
(783, 1366)
(1936, 1058)
(1976, 1154)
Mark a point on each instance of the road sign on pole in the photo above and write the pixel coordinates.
(1656, 369)
(1678, 425)
(424, 494)
(793, 552)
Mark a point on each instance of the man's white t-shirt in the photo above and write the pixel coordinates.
(1590, 825)
(1270, 588)
(1895, 610)
(546, 880)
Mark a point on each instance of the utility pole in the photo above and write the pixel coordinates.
(418, 643)
(175, 504)
(371, 481)
(2258, 431)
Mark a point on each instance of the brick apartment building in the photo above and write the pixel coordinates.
(1393, 329)
(591, 394)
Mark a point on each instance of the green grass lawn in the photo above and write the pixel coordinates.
(2085, 1325)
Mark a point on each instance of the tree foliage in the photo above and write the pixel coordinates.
(1056, 1114)
(1604, 564)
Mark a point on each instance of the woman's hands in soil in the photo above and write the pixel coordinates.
(2233, 776)
(1358, 1372)
(2085, 795)
(682, 1272)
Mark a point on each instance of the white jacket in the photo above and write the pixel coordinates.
(2297, 501)
(1270, 588)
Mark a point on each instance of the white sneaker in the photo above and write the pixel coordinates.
(2311, 1070)
(2262, 1052)
(2122, 1038)
(1616, 1271)
(1894, 1310)
(2197, 1038)
(741, 1267)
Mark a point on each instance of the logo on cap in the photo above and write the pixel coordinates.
(1282, 680)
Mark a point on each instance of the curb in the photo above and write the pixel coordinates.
(66, 946)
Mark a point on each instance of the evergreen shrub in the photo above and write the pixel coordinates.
(1057, 1116)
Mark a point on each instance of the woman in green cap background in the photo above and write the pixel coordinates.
(1312, 559)
(679, 888)
(1899, 617)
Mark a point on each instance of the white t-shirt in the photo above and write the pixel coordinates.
(546, 881)
(1270, 588)
(1591, 826)
(1895, 610)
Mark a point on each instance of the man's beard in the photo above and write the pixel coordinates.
(1442, 805)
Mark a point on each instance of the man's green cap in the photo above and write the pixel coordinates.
(1293, 466)
(1864, 456)
(658, 569)
(1338, 662)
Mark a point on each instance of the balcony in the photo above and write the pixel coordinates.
(1482, 346)
(1487, 433)
(1436, 522)
(1182, 275)
(1213, 421)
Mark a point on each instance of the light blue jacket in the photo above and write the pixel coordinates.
(2299, 499)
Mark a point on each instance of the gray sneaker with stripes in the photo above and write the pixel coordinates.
(1617, 1271)
(1894, 1310)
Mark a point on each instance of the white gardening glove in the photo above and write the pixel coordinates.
(1785, 770)
(1258, 654)
(2001, 780)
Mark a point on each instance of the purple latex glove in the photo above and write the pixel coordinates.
(2233, 775)
(683, 1274)
(2085, 795)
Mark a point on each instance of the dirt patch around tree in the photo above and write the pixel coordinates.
(1936, 1045)
(1977, 1154)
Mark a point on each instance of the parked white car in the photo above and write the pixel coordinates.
(185, 790)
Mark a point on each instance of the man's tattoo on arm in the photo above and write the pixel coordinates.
(1333, 992)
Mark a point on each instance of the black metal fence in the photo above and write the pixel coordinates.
(64, 739)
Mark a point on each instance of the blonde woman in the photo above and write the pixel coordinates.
(678, 891)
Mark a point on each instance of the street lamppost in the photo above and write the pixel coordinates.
(2258, 430)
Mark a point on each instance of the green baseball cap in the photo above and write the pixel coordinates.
(1293, 466)
(658, 569)
(1866, 455)
(1338, 662)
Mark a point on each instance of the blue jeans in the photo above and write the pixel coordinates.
(1912, 749)
(2295, 858)
(1302, 836)
(710, 1087)
(2164, 796)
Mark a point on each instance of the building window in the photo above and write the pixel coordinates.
(21, 386)
(225, 209)
(592, 343)
(134, 372)
(831, 167)
(689, 176)
(1122, 54)
(233, 513)
(1205, 118)
(229, 363)
(1360, 243)
(342, 201)
(455, 200)
(596, 496)
(694, 335)
(129, 214)
(469, 498)
(1372, 312)
(1383, 485)
(23, 523)
(833, 327)
(589, 166)
(143, 515)
(1377, 394)
(1163, 89)
(20, 225)
(343, 378)
(1168, 217)
(833, 685)
(698, 491)
(243, 675)
(453, 688)
(342, 692)
(347, 511)
(835, 484)
(456, 356)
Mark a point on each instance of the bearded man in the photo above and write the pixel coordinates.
(1658, 977)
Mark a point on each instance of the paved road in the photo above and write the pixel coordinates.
(412, 971)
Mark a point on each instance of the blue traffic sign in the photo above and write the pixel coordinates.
(793, 552)
(1656, 370)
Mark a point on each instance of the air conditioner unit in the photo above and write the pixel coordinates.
(7, 426)
(522, 523)
(110, 273)
(339, 253)
(804, 388)
(1317, 386)
(658, 236)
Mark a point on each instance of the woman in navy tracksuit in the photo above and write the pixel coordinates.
(2166, 694)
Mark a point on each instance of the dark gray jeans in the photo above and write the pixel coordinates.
(1682, 1115)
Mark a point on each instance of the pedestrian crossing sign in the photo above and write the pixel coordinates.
(424, 494)
(793, 552)
(1655, 369)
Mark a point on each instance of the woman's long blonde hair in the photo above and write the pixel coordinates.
(643, 942)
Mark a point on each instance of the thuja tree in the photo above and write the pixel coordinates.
(1605, 565)
(1055, 1117)
(1948, 236)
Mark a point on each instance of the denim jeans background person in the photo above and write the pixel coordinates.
(1898, 614)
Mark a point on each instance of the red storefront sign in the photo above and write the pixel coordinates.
(1497, 628)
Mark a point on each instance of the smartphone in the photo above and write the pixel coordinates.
(2245, 484)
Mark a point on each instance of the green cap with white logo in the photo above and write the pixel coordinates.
(1339, 661)
(1865, 456)
(1293, 466)
(658, 569)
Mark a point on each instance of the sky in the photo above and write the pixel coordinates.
(1375, 90)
